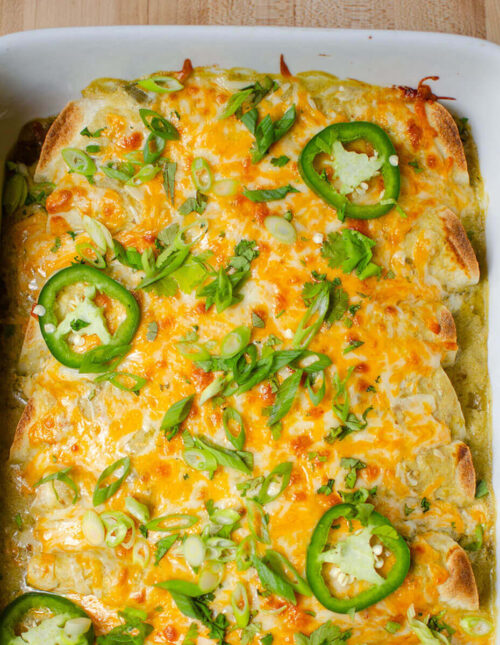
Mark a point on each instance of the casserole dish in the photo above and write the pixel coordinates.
(342, 72)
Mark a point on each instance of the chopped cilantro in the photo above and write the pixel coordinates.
(281, 161)
(351, 250)
(425, 504)
(326, 489)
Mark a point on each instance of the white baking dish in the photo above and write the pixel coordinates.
(41, 70)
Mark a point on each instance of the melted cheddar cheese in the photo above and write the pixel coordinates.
(398, 322)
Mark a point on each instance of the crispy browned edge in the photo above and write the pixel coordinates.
(460, 244)
(447, 133)
(61, 132)
(460, 589)
(27, 418)
(464, 469)
(448, 330)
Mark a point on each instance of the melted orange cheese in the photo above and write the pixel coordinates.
(88, 426)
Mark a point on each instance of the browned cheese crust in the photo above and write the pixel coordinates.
(465, 472)
(460, 245)
(447, 138)
(20, 443)
(61, 134)
(460, 588)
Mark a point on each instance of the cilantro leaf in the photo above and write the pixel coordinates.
(279, 162)
(326, 489)
(199, 609)
(352, 466)
(250, 95)
(94, 135)
(133, 632)
(194, 204)
(268, 132)
(224, 289)
(351, 250)
(325, 634)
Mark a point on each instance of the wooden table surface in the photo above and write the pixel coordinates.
(479, 18)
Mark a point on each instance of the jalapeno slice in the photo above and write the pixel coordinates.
(46, 618)
(324, 141)
(87, 317)
(380, 586)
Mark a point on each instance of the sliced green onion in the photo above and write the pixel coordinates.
(103, 357)
(225, 187)
(316, 395)
(78, 161)
(200, 459)
(244, 552)
(210, 576)
(193, 351)
(213, 388)
(93, 528)
(153, 148)
(221, 549)
(117, 526)
(238, 459)
(235, 341)
(137, 509)
(181, 240)
(238, 439)
(121, 380)
(120, 171)
(240, 605)
(148, 262)
(278, 563)
(163, 546)
(141, 553)
(103, 493)
(273, 582)
(15, 193)
(175, 415)
(281, 229)
(98, 261)
(99, 233)
(160, 84)
(191, 636)
(258, 522)
(135, 158)
(312, 362)
(181, 587)
(158, 124)
(194, 550)
(60, 476)
(172, 522)
(201, 174)
(169, 170)
(143, 175)
(275, 483)
(392, 627)
(312, 320)
(251, 487)
(284, 397)
(225, 516)
(476, 626)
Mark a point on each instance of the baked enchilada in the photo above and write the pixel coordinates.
(252, 365)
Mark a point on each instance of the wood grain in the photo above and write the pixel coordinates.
(480, 18)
